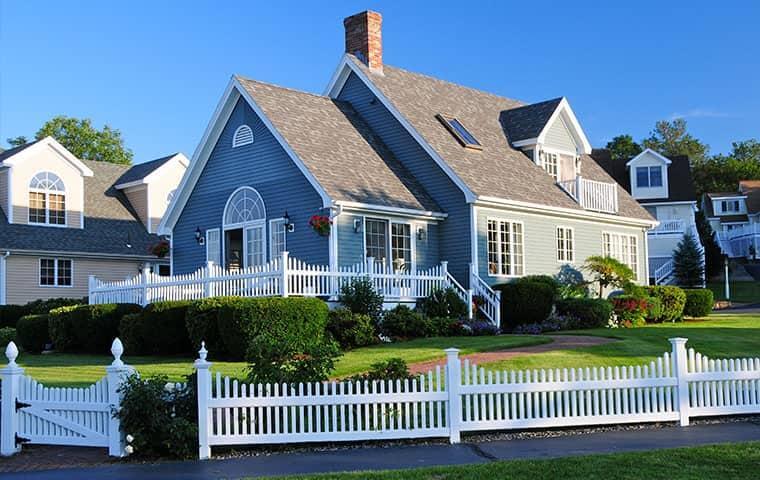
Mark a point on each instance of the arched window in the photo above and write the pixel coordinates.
(244, 206)
(244, 223)
(47, 199)
(243, 136)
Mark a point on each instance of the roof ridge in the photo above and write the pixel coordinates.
(280, 87)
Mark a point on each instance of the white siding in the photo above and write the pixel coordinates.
(558, 136)
(648, 160)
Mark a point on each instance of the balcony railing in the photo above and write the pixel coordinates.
(669, 227)
(591, 194)
(740, 241)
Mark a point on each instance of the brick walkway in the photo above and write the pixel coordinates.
(559, 342)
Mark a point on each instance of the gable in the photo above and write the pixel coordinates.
(558, 136)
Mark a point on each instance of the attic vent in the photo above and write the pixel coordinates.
(243, 136)
(460, 132)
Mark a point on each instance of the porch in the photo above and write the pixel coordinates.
(286, 276)
(740, 241)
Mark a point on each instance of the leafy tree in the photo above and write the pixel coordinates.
(17, 141)
(671, 139)
(721, 173)
(623, 148)
(83, 140)
(687, 262)
(607, 271)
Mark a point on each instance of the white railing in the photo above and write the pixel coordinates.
(491, 299)
(737, 241)
(675, 387)
(667, 227)
(592, 194)
(663, 273)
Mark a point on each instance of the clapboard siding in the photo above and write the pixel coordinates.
(4, 190)
(263, 165)
(454, 232)
(138, 198)
(558, 136)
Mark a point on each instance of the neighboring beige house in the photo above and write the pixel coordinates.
(63, 219)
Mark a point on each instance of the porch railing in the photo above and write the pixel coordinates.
(739, 241)
(591, 194)
(669, 226)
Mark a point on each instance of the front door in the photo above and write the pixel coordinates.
(254, 246)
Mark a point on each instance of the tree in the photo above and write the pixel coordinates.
(713, 253)
(721, 173)
(17, 141)
(623, 148)
(607, 271)
(687, 262)
(672, 139)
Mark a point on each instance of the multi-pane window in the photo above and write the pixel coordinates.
(649, 176)
(277, 236)
(623, 248)
(254, 246)
(550, 164)
(47, 200)
(213, 246)
(401, 246)
(730, 205)
(565, 244)
(376, 238)
(505, 248)
(389, 243)
(37, 208)
(55, 272)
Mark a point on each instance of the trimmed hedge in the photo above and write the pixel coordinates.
(201, 321)
(10, 314)
(545, 279)
(158, 329)
(32, 332)
(351, 330)
(673, 300)
(87, 328)
(699, 302)
(525, 302)
(590, 312)
(7, 335)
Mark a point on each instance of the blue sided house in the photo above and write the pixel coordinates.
(409, 171)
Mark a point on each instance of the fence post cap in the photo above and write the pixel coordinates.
(201, 361)
(11, 352)
(678, 340)
(117, 350)
(452, 351)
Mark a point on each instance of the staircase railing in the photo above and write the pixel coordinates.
(490, 306)
(662, 273)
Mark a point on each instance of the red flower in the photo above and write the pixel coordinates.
(321, 224)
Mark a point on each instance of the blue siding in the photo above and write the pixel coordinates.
(454, 232)
(263, 165)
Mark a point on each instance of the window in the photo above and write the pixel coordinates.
(623, 248)
(376, 237)
(277, 238)
(55, 272)
(550, 164)
(460, 132)
(244, 206)
(47, 199)
(401, 246)
(730, 206)
(379, 244)
(565, 244)
(648, 177)
(243, 136)
(505, 248)
(213, 246)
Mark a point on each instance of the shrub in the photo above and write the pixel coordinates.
(360, 296)
(44, 306)
(443, 303)
(391, 369)
(201, 321)
(32, 332)
(608, 272)
(480, 328)
(10, 314)
(589, 312)
(351, 330)
(525, 302)
(554, 323)
(545, 279)
(403, 322)
(132, 333)
(87, 328)
(447, 327)
(699, 302)
(630, 310)
(7, 335)
(162, 422)
(654, 309)
(571, 282)
(164, 327)
(673, 301)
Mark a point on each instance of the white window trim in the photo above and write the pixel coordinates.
(557, 151)
(235, 141)
(388, 246)
(272, 224)
(556, 244)
(47, 194)
(219, 244)
(636, 275)
(649, 176)
(524, 255)
(55, 272)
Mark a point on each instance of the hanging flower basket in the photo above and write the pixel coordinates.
(160, 249)
(321, 224)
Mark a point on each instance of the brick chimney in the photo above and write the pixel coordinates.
(364, 38)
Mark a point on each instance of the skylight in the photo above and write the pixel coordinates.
(460, 132)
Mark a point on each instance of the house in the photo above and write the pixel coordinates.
(735, 218)
(411, 170)
(63, 219)
(664, 187)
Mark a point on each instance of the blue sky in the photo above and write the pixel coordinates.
(155, 70)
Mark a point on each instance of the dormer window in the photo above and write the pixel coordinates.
(243, 136)
(648, 177)
(730, 206)
(551, 164)
(457, 129)
(47, 199)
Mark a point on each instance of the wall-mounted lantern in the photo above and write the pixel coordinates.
(357, 225)
(289, 226)
(199, 236)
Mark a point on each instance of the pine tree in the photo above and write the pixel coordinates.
(687, 262)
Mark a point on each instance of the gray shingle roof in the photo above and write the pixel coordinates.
(142, 170)
(499, 170)
(347, 159)
(110, 223)
(528, 121)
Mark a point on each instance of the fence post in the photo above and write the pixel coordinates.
(203, 370)
(90, 288)
(11, 376)
(207, 272)
(470, 306)
(497, 311)
(453, 384)
(116, 373)
(284, 272)
(144, 285)
(680, 367)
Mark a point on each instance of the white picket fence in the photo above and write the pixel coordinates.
(462, 397)
(36, 414)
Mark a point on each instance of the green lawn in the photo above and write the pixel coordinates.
(736, 461)
(741, 292)
(77, 370)
(720, 336)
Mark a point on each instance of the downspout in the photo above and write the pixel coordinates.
(3, 279)
(333, 244)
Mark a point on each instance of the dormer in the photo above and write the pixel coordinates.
(728, 204)
(648, 173)
(150, 187)
(42, 184)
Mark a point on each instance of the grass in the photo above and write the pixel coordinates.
(720, 336)
(741, 292)
(71, 370)
(736, 461)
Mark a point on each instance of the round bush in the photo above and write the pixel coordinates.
(7, 335)
(589, 312)
(545, 279)
(32, 332)
(87, 328)
(673, 301)
(403, 322)
(699, 302)
(525, 302)
(443, 303)
(351, 330)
